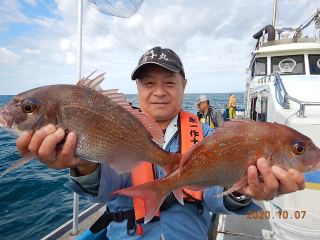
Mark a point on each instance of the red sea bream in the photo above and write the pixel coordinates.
(108, 128)
(222, 159)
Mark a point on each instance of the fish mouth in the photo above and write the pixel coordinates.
(316, 166)
(4, 123)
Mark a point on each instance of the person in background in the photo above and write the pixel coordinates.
(160, 79)
(225, 113)
(208, 114)
(232, 106)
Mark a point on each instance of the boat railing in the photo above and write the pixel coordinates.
(264, 80)
(75, 214)
(283, 100)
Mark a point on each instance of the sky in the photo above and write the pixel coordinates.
(38, 40)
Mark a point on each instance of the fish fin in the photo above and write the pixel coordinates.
(150, 193)
(179, 195)
(236, 186)
(153, 127)
(225, 126)
(149, 123)
(109, 92)
(26, 158)
(88, 159)
(233, 122)
(91, 83)
(121, 166)
(127, 167)
(194, 188)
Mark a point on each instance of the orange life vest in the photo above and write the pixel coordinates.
(190, 132)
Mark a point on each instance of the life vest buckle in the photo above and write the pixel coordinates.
(118, 217)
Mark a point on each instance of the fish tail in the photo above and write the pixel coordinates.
(26, 158)
(178, 193)
(151, 193)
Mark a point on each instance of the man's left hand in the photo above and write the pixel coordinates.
(276, 181)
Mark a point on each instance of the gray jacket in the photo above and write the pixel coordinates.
(213, 115)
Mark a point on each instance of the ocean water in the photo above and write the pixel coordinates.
(33, 200)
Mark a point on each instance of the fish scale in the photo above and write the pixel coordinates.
(222, 159)
(109, 130)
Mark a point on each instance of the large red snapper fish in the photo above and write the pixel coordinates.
(222, 159)
(109, 130)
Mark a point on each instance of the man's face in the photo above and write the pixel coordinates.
(202, 106)
(160, 92)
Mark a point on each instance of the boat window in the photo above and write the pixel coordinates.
(260, 67)
(314, 64)
(252, 71)
(288, 63)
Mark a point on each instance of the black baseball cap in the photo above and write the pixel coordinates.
(162, 56)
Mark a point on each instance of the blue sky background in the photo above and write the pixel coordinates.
(38, 40)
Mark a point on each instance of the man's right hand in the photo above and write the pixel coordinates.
(43, 143)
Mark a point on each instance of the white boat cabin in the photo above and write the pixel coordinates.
(284, 84)
(283, 87)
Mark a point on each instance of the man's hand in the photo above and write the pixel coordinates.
(44, 142)
(276, 181)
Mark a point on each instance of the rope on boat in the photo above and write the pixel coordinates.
(239, 234)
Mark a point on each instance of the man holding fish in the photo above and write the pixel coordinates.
(161, 82)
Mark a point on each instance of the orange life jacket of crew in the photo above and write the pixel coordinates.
(189, 132)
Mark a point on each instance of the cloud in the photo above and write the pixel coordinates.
(45, 22)
(64, 44)
(10, 12)
(213, 39)
(29, 51)
(70, 59)
(9, 57)
(32, 2)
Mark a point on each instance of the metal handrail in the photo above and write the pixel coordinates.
(75, 214)
(79, 60)
(284, 100)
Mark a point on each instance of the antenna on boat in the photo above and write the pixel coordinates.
(79, 52)
(274, 13)
(117, 8)
(316, 33)
(299, 30)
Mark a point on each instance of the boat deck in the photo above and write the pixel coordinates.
(86, 219)
(235, 227)
(225, 227)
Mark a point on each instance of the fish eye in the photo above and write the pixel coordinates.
(28, 106)
(298, 148)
